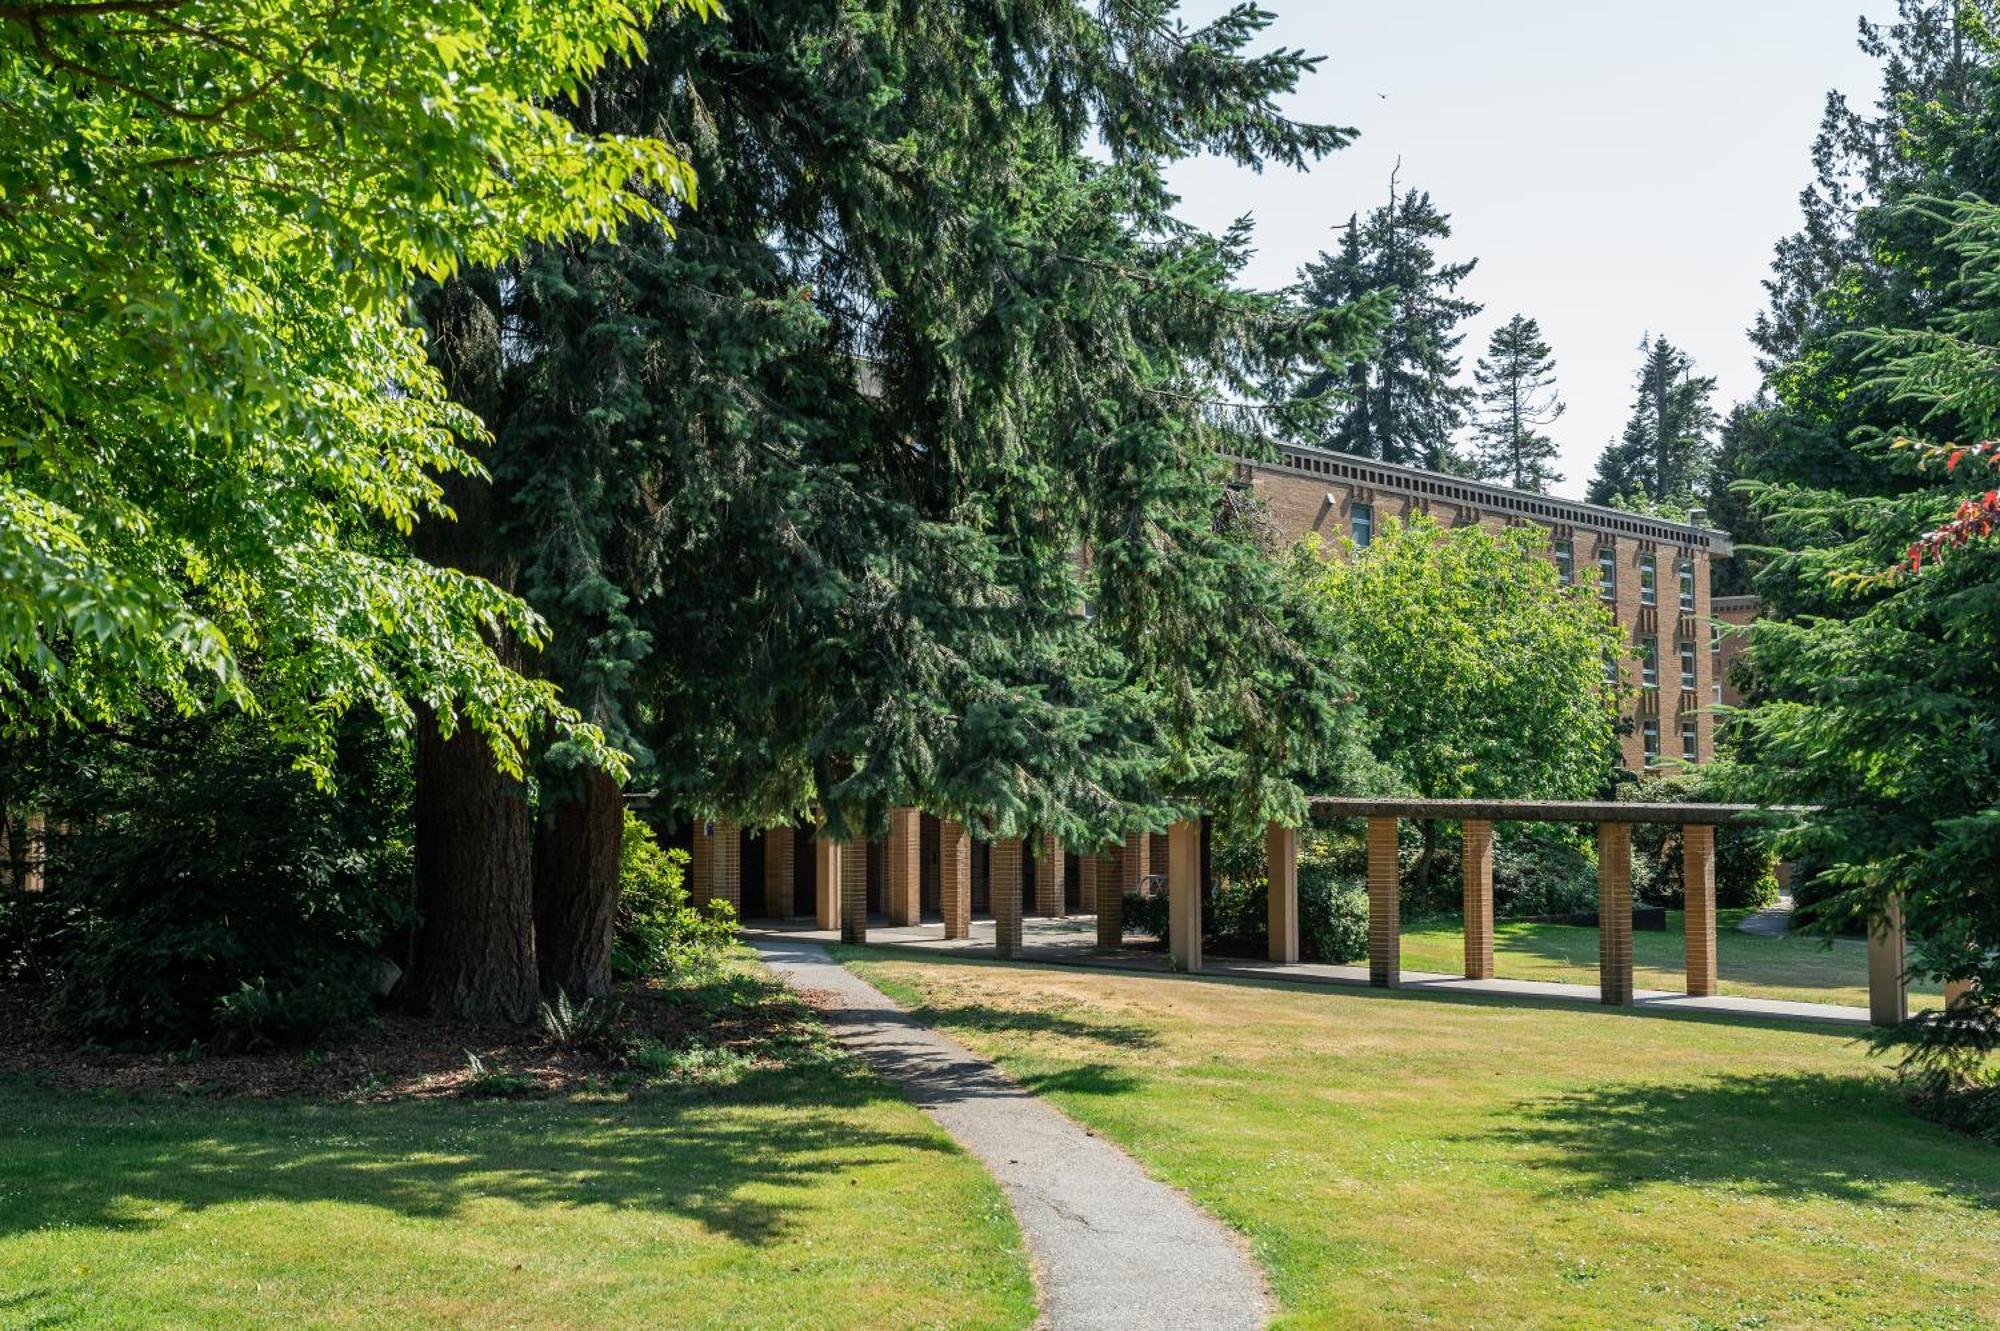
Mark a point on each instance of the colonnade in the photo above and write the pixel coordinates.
(1110, 872)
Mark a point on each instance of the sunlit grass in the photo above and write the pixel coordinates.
(1402, 1160)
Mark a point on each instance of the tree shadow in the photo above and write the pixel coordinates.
(1779, 1135)
(127, 1163)
(988, 1019)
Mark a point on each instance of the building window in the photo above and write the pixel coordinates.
(1611, 670)
(1649, 580)
(1715, 638)
(1361, 523)
(1690, 742)
(1687, 586)
(1649, 734)
(1649, 662)
(1607, 570)
(1565, 552)
(1687, 666)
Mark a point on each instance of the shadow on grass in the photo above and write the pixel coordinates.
(68, 1159)
(1779, 1135)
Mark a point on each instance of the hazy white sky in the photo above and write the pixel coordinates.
(1617, 167)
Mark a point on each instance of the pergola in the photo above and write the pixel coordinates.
(841, 876)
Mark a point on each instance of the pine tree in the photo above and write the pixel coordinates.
(1517, 397)
(800, 485)
(1403, 402)
(1930, 60)
(1668, 449)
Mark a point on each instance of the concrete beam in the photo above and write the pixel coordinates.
(1888, 969)
(1281, 873)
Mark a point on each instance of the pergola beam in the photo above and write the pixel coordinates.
(1549, 811)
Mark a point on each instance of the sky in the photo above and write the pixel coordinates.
(1618, 168)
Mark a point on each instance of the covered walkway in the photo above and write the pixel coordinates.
(1050, 905)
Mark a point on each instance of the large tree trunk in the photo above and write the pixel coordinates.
(576, 886)
(475, 890)
(475, 884)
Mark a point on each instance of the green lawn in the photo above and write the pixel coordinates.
(1799, 968)
(1401, 1160)
(807, 1195)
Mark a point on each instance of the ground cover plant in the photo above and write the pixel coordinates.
(1399, 1160)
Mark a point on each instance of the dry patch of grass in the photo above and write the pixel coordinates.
(1401, 1160)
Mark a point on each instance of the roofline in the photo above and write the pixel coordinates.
(1327, 463)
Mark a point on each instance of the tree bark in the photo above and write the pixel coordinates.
(475, 890)
(475, 871)
(1420, 874)
(576, 887)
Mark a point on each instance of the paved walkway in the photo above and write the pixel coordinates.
(1073, 941)
(1772, 921)
(1113, 1248)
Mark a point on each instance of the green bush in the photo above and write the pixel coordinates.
(209, 890)
(1146, 914)
(1542, 869)
(1333, 914)
(659, 934)
(1746, 870)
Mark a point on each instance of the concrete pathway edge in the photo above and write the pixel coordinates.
(1112, 1247)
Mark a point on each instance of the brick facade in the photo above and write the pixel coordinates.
(1312, 491)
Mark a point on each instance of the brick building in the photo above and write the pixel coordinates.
(1653, 573)
(1731, 612)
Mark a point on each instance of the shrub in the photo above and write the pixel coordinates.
(1333, 914)
(659, 934)
(1146, 914)
(1746, 870)
(1542, 869)
(207, 889)
(591, 1024)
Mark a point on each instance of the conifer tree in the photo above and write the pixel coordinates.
(1517, 397)
(1403, 402)
(1668, 449)
(801, 485)
(1930, 58)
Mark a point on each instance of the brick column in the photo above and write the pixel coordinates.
(780, 872)
(955, 878)
(701, 864)
(1614, 914)
(1958, 993)
(1105, 889)
(826, 880)
(1006, 893)
(1184, 895)
(1698, 872)
(1476, 865)
(1888, 984)
(727, 865)
(1049, 875)
(1281, 873)
(1156, 854)
(1086, 884)
(1385, 892)
(905, 882)
(854, 891)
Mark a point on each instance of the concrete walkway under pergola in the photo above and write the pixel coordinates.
(841, 872)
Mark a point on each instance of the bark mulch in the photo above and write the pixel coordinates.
(397, 1055)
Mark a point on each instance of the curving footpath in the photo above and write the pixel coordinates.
(1113, 1248)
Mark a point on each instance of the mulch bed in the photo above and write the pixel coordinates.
(395, 1056)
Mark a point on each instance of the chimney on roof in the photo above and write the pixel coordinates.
(1697, 517)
